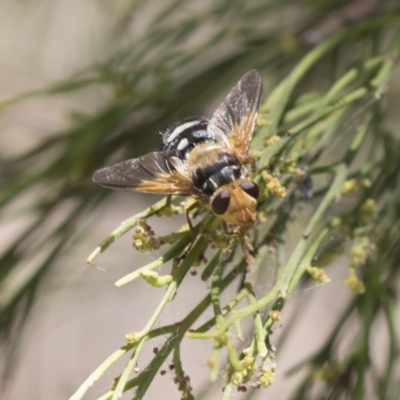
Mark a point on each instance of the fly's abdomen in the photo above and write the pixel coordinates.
(223, 171)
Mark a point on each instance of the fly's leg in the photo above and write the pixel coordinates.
(247, 248)
(168, 201)
(192, 231)
(167, 204)
(226, 230)
(191, 208)
(252, 162)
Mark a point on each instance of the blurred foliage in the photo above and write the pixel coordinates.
(325, 121)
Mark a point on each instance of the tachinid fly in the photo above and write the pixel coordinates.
(203, 158)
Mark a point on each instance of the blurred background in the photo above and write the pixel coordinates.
(84, 84)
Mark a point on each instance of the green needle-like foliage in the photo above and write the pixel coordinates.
(324, 122)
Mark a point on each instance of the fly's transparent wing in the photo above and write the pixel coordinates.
(153, 173)
(233, 121)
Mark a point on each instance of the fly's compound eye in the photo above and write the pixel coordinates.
(221, 202)
(250, 188)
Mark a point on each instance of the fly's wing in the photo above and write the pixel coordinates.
(233, 121)
(158, 172)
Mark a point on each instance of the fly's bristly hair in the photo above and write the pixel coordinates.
(202, 157)
(189, 114)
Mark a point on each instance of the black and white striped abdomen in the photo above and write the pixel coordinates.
(222, 171)
(186, 135)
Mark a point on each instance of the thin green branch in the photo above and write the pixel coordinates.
(126, 373)
(124, 227)
(95, 375)
(174, 252)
